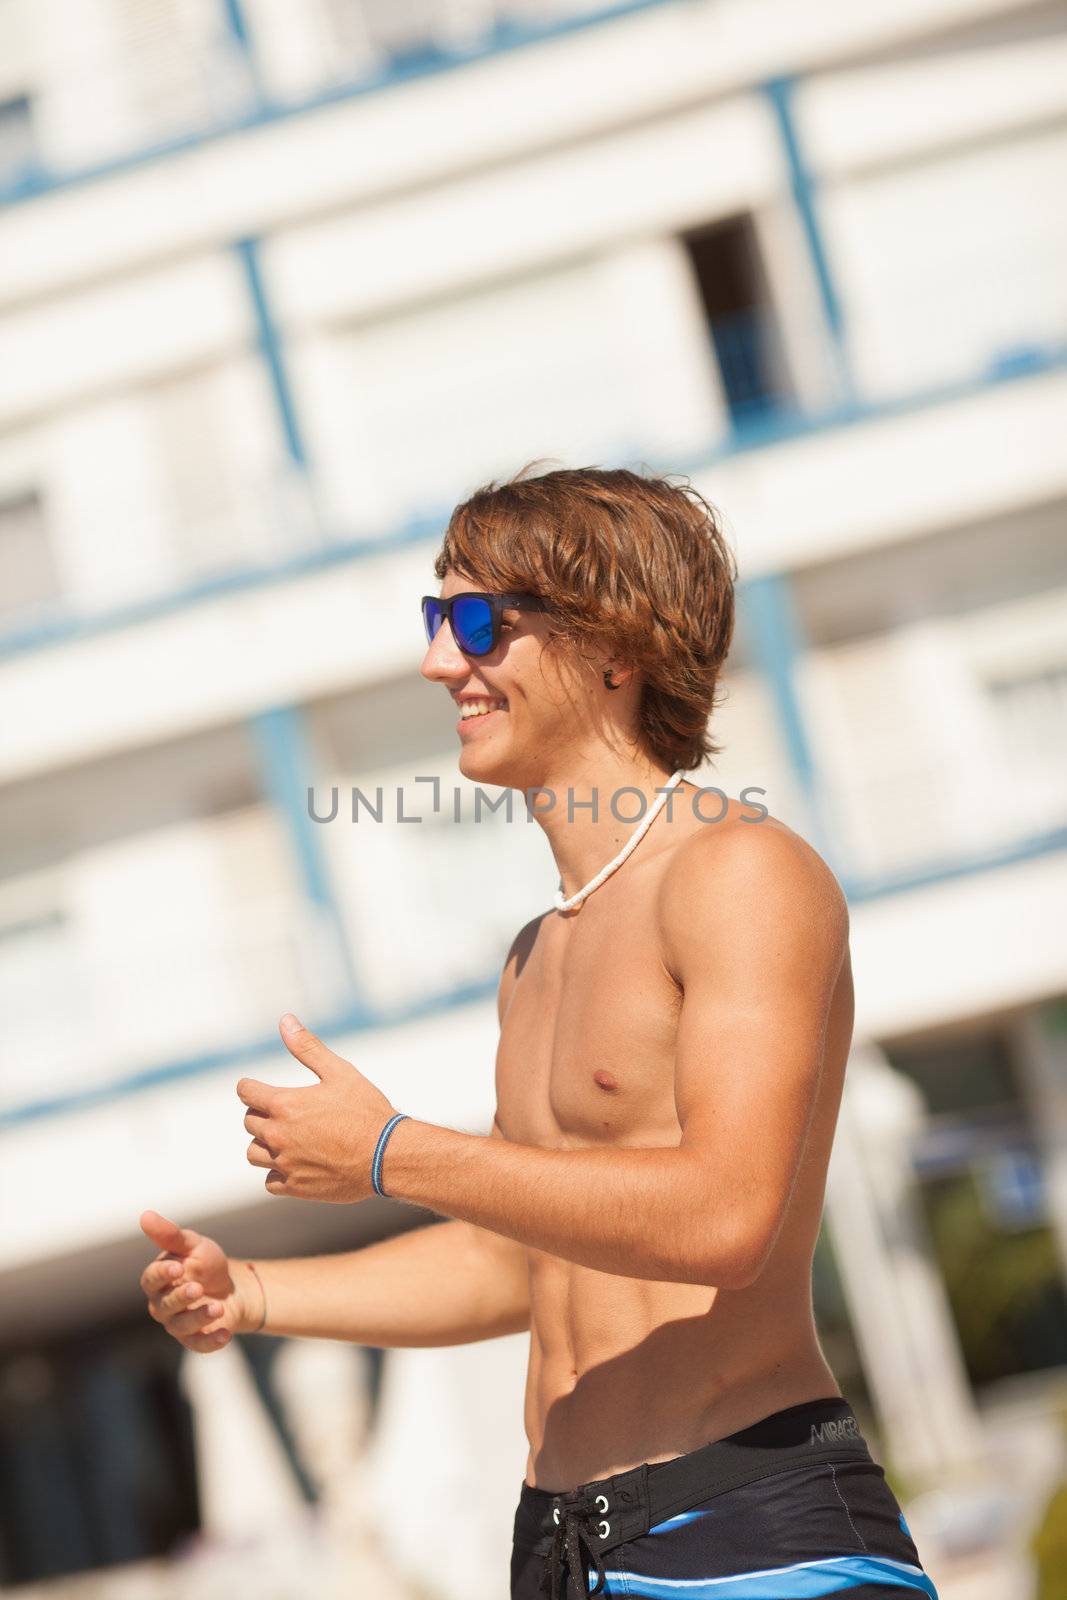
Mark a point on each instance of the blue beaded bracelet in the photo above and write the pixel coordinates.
(379, 1151)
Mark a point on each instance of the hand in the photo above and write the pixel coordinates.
(190, 1288)
(316, 1142)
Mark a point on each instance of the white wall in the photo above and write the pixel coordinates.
(951, 96)
(120, 333)
(111, 75)
(968, 948)
(914, 758)
(596, 361)
(946, 265)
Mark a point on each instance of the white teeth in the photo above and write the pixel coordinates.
(478, 708)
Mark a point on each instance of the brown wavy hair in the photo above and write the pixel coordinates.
(637, 567)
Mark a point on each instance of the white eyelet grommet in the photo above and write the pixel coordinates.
(602, 1502)
(606, 1527)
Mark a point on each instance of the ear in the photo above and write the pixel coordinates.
(616, 674)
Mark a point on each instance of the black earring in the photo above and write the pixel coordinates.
(607, 680)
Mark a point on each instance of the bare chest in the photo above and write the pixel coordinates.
(586, 1052)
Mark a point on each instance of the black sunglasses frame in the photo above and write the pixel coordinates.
(498, 604)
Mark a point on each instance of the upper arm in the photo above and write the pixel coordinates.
(754, 929)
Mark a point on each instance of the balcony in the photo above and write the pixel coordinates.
(153, 85)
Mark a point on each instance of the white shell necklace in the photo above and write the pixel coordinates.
(638, 834)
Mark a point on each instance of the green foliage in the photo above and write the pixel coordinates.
(1004, 1288)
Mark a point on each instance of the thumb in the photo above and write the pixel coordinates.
(308, 1048)
(167, 1235)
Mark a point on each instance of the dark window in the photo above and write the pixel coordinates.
(96, 1453)
(741, 321)
(973, 1073)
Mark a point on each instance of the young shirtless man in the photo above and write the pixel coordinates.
(672, 1052)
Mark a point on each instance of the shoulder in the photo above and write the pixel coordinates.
(516, 959)
(749, 859)
(739, 882)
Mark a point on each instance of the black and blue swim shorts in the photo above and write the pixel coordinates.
(792, 1508)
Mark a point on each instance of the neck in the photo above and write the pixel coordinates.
(582, 839)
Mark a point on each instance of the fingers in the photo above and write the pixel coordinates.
(196, 1320)
(259, 1097)
(198, 1330)
(203, 1344)
(159, 1275)
(164, 1304)
(167, 1234)
(309, 1049)
(259, 1155)
(172, 1301)
(259, 1127)
(198, 1327)
(180, 1299)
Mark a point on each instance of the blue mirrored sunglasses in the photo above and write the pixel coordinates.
(474, 617)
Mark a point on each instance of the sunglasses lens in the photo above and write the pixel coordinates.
(472, 623)
(431, 618)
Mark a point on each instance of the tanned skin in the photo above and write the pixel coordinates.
(668, 1079)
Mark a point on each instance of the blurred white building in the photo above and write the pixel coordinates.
(279, 284)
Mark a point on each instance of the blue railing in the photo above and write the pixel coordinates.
(355, 1019)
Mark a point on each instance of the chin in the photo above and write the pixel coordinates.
(488, 766)
(479, 766)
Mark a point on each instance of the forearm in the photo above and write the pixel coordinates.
(442, 1284)
(635, 1213)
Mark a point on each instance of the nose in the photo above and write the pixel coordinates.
(444, 660)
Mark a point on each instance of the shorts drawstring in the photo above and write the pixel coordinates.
(580, 1519)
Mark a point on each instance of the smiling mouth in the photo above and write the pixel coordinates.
(478, 710)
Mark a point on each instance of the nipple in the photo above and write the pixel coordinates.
(604, 1079)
